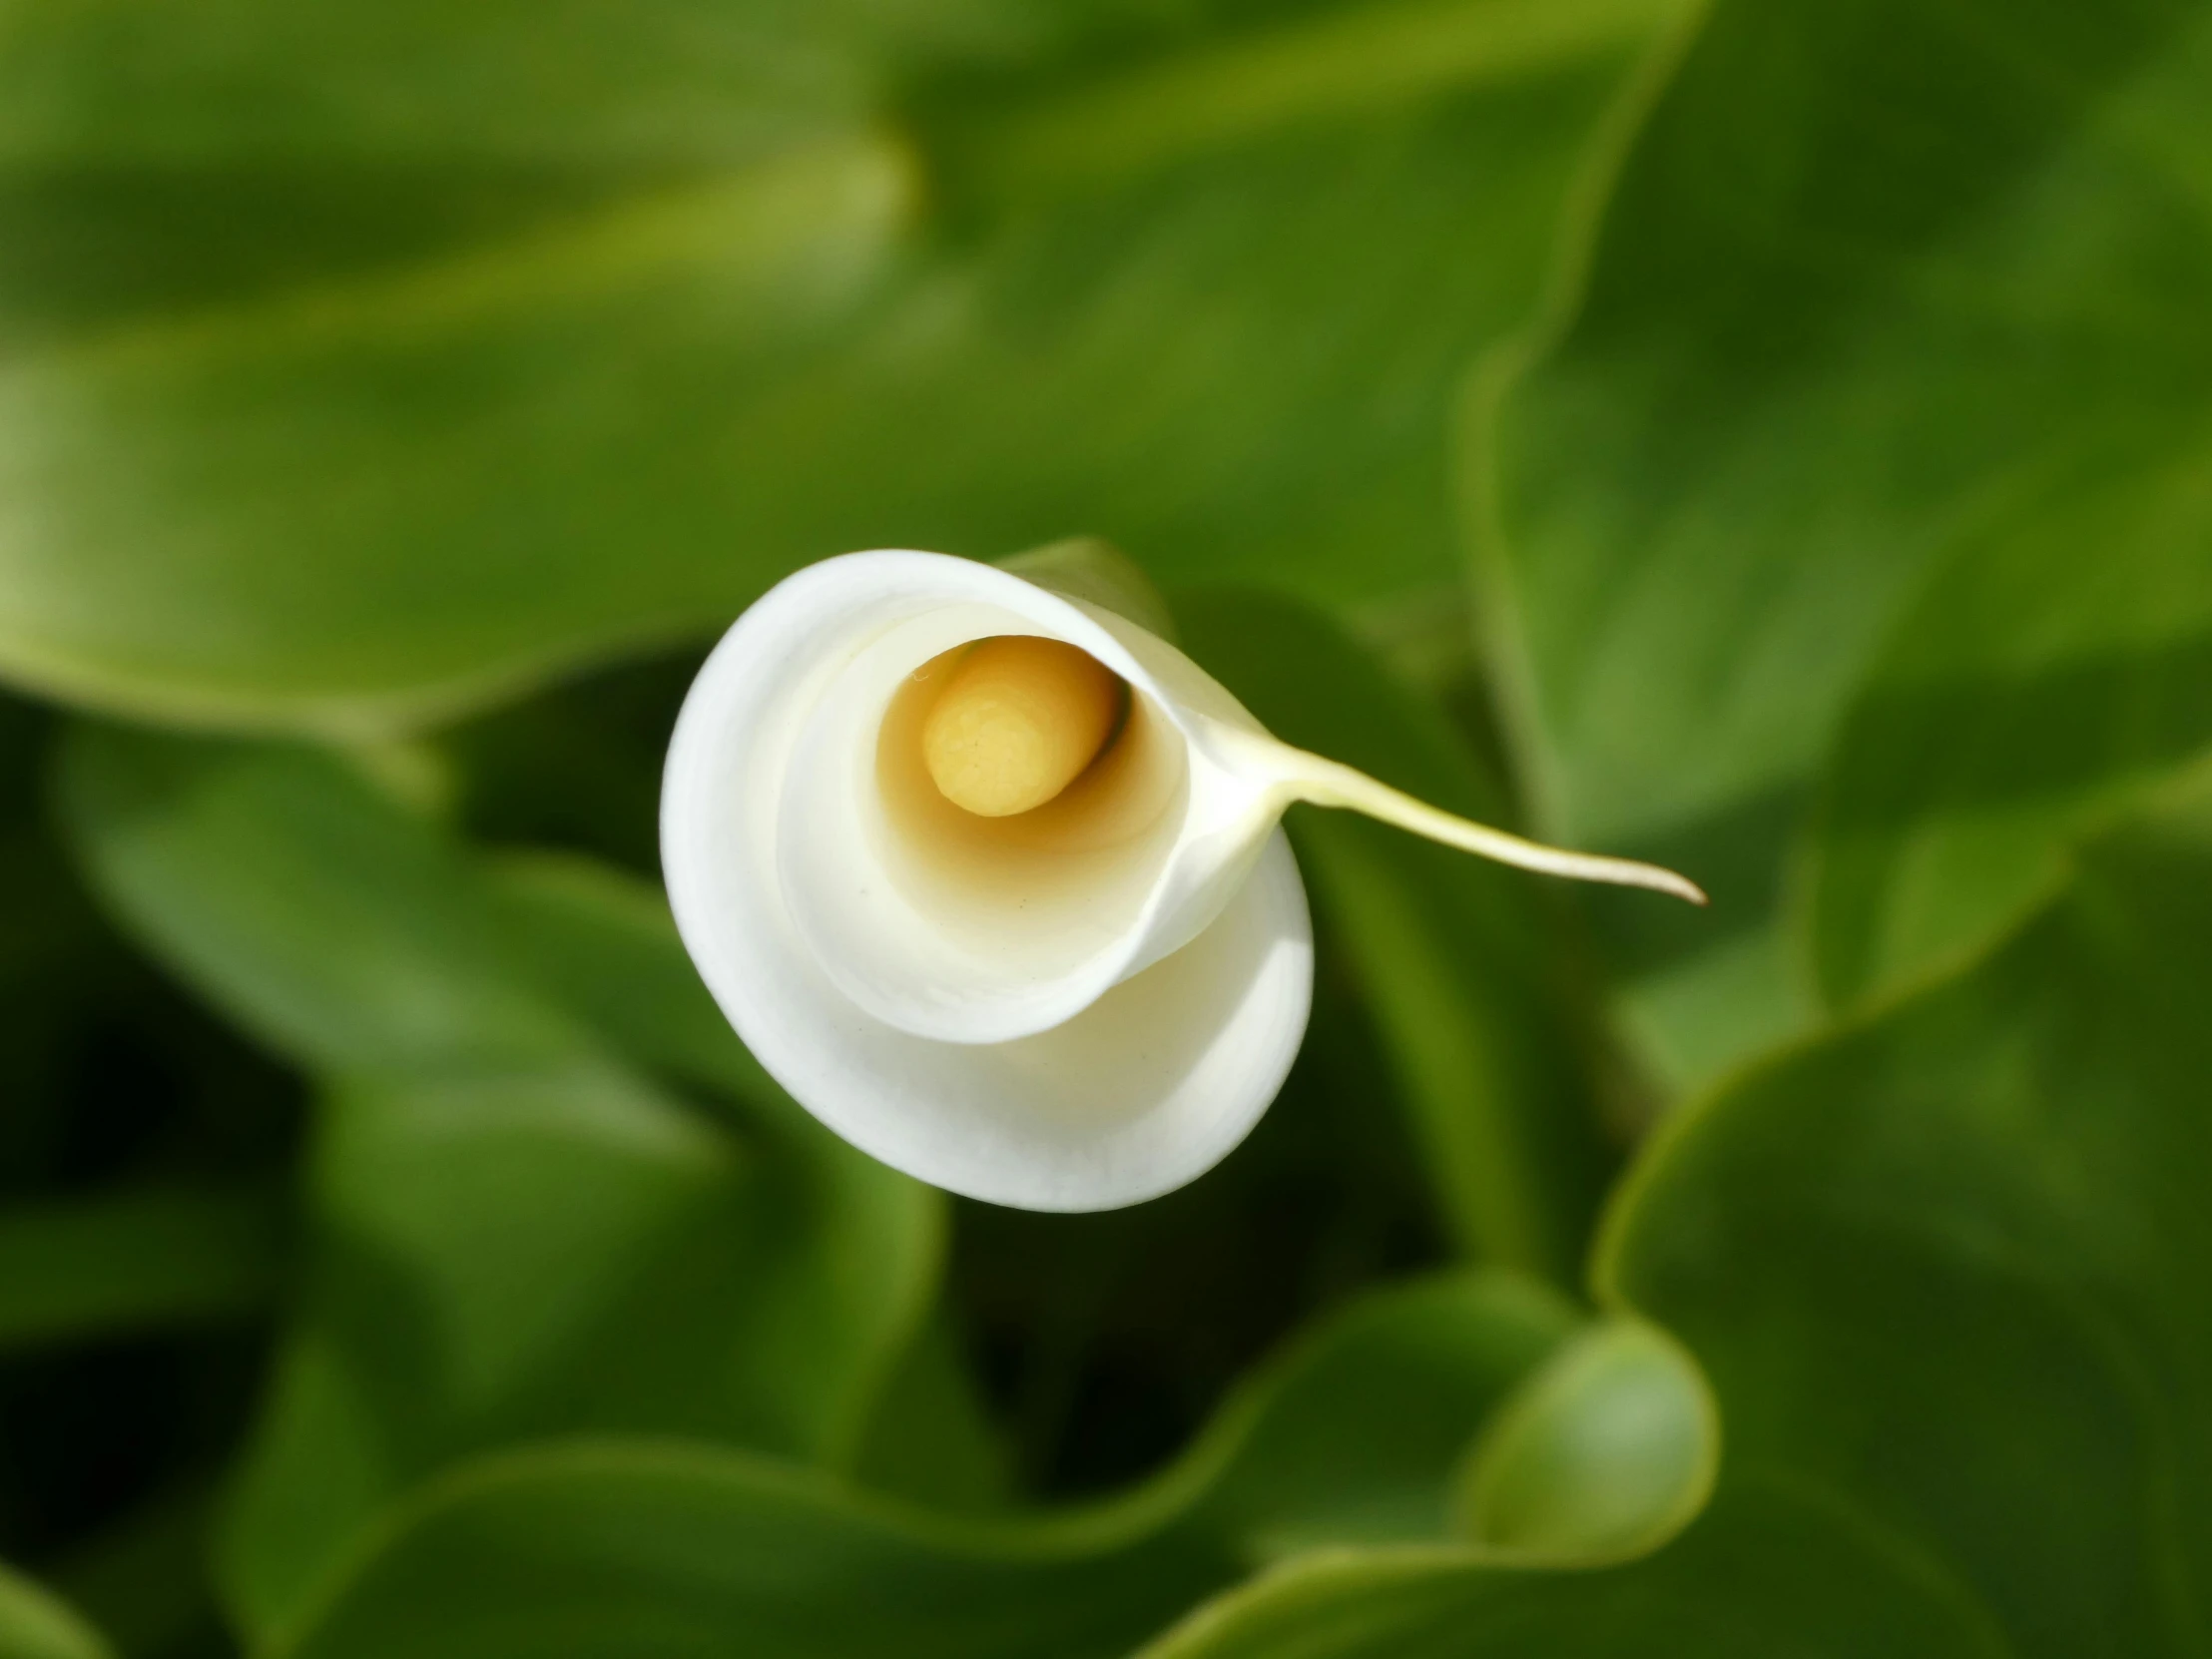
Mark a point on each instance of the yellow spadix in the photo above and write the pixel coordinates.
(1018, 720)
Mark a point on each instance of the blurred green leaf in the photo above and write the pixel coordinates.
(1608, 1450)
(521, 1231)
(931, 1441)
(1881, 286)
(849, 1250)
(1098, 573)
(2048, 673)
(1944, 1269)
(576, 766)
(1459, 960)
(635, 1550)
(1734, 1587)
(35, 1625)
(132, 1261)
(321, 915)
(1351, 1436)
(146, 1243)
(632, 1551)
(367, 364)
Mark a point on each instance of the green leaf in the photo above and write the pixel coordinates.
(710, 293)
(1608, 1450)
(2031, 692)
(655, 1552)
(1352, 1436)
(520, 1230)
(576, 766)
(1098, 573)
(1944, 1269)
(1734, 1587)
(931, 1441)
(34, 1625)
(849, 1249)
(634, 1549)
(1461, 960)
(71, 1269)
(1881, 286)
(329, 921)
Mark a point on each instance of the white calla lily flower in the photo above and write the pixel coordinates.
(1017, 917)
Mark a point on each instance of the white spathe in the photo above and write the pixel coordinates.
(1079, 1008)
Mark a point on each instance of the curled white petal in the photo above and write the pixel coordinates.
(1077, 1007)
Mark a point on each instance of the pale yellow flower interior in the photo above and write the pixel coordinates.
(1029, 792)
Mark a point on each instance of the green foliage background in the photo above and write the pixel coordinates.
(1768, 436)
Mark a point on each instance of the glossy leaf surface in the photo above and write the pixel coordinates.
(597, 348)
(1608, 1452)
(2044, 679)
(1882, 287)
